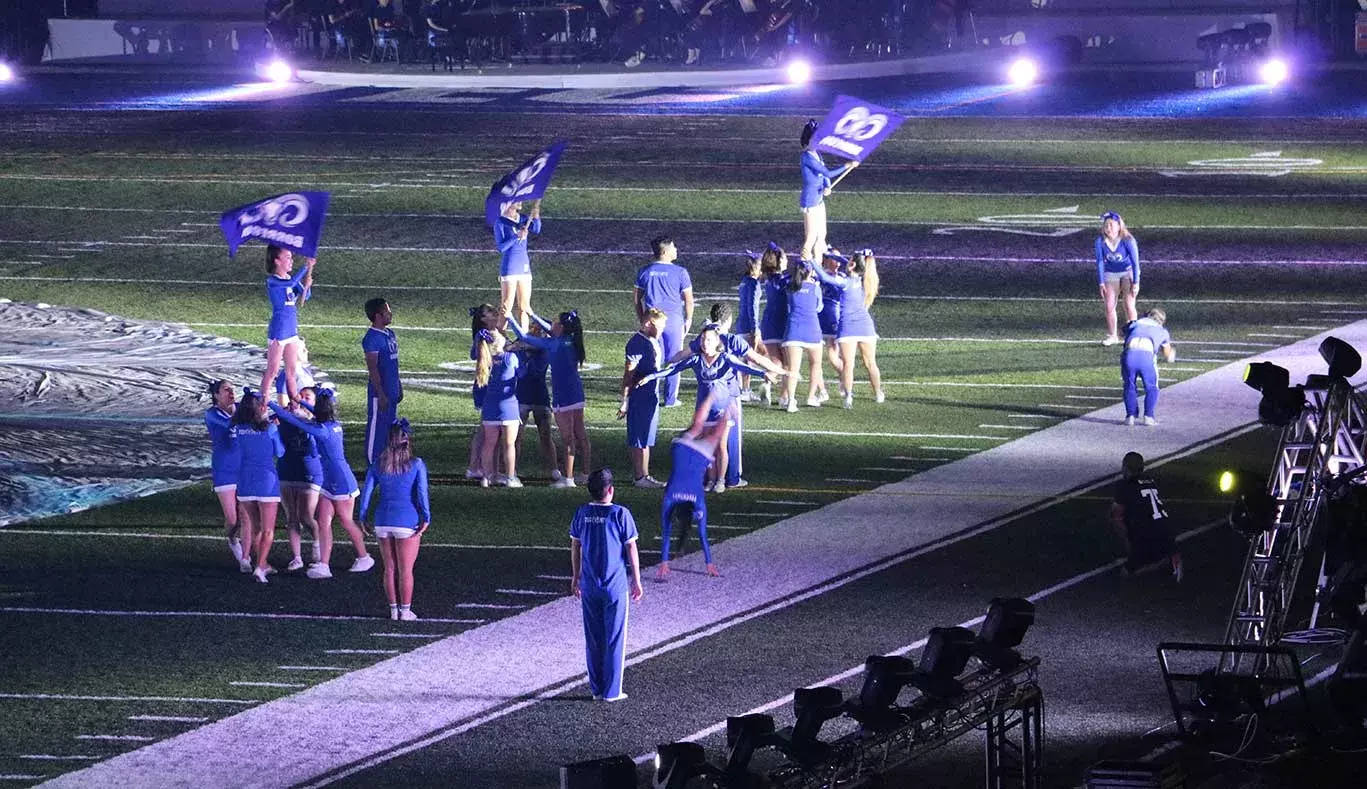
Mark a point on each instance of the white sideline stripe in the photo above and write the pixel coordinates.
(786, 503)
(312, 668)
(251, 684)
(852, 534)
(21, 777)
(1282, 336)
(850, 480)
(530, 592)
(168, 718)
(220, 538)
(1008, 427)
(492, 606)
(44, 757)
(362, 651)
(1193, 369)
(555, 577)
(920, 643)
(175, 699)
(883, 468)
(1033, 416)
(408, 635)
(1307, 328)
(618, 428)
(14, 609)
(728, 528)
(117, 737)
(939, 449)
(1089, 397)
(755, 514)
(1065, 406)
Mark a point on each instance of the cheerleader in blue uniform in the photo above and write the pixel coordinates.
(534, 404)
(816, 185)
(224, 464)
(497, 370)
(301, 480)
(802, 334)
(829, 317)
(565, 349)
(485, 317)
(1117, 271)
(515, 267)
(773, 321)
(747, 316)
(339, 489)
(400, 518)
(857, 288)
(258, 484)
(736, 345)
(285, 291)
(685, 496)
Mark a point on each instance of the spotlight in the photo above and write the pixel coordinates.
(6, 73)
(678, 763)
(1281, 404)
(812, 707)
(1023, 72)
(1344, 361)
(1227, 481)
(799, 72)
(1274, 72)
(1003, 630)
(947, 652)
(614, 772)
(1253, 513)
(1266, 376)
(884, 678)
(744, 734)
(279, 71)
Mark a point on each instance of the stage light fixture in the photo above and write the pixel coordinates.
(1023, 72)
(744, 734)
(1008, 619)
(279, 71)
(614, 772)
(1274, 71)
(6, 73)
(1227, 481)
(1253, 513)
(812, 707)
(1266, 376)
(1343, 359)
(1281, 403)
(678, 763)
(799, 72)
(946, 653)
(884, 678)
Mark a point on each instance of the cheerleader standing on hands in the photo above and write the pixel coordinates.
(284, 291)
(515, 268)
(816, 185)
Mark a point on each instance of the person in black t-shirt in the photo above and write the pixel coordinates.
(1139, 517)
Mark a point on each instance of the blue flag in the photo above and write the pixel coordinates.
(854, 127)
(293, 221)
(528, 182)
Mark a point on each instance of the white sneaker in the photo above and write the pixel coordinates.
(767, 392)
(692, 58)
(814, 401)
(635, 60)
(740, 483)
(244, 565)
(648, 482)
(783, 402)
(484, 482)
(260, 576)
(849, 401)
(562, 482)
(471, 473)
(394, 612)
(719, 486)
(581, 479)
(1150, 421)
(407, 616)
(879, 397)
(295, 564)
(1111, 340)
(235, 548)
(316, 552)
(362, 564)
(318, 571)
(512, 482)
(823, 395)
(792, 407)
(618, 697)
(1129, 421)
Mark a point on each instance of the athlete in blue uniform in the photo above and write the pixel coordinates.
(735, 345)
(664, 285)
(498, 370)
(829, 317)
(515, 267)
(816, 184)
(384, 389)
(1117, 270)
(565, 350)
(338, 496)
(534, 403)
(602, 550)
(301, 479)
(857, 290)
(774, 320)
(485, 317)
(685, 498)
(284, 291)
(401, 516)
(224, 464)
(747, 314)
(802, 334)
(641, 405)
(1144, 340)
(258, 484)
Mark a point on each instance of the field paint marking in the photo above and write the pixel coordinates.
(1064, 585)
(21, 777)
(245, 684)
(493, 606)
(1308, 328)
(408, 635)
(361, 651)
(1007, 427)
(207, 614)
(1188, 369)
(883, 468)
(117, 737)
(313, 668)
(850, 480)
(555, 578)
(50, 758)
(940, 449)
(767, 431)
(1281, 336)
(176, 699)
(784, 503)
(1068, 407)
(755, 514)
(1090, 397)
(530, 592)
(219, 538)
(168, 718)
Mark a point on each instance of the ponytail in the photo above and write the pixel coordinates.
(484, 358)
(771, 262)
(799, 277)
(867, 267)
(574, 329)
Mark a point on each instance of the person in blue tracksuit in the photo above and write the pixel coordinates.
(485, 317)
(515, 266)
(497, 369)
(565, 350)
(829, 317)
(816, 184)
(399, 480)
(338, 496)
(224, 464)
(301, 480)
(641, 405)
(685, 493)
(747, 314)
(774, 320)
(1117, 271)
(802, 335)
(605, 570)
(534, 403)
(384, 389)
(857, 287)
(258, 483)
(666, 286)
(285, 289)
(1145, 339)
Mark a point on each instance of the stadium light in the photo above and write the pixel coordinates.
(279, 71)
(1227, 482)
(1023, 72)
(1274, 72)
(6, 73)
(1003, 630)
(799, 72)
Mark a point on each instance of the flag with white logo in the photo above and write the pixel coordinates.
(528, 182)
(293, 221)
(854, 127)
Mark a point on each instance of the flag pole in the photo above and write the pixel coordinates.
(841, 177)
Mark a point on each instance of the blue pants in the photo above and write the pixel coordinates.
(1144, 365)
(605, 638)
(377, 424)
(733, 447)
(695, 501)
(672, 339)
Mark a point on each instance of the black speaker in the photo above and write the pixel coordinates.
(614, 772)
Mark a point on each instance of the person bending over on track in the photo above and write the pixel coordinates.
(515, 266)
(339, 484)
(301, 480)
(641, 404)
(857, 288)
(497, 371)
(685, 496)
(285, 288)
(816, 185)
(402, 515)
(258, 484)
(565, 350)
(225, 463)
(1139, 518)
(1117, 271)
(1145, 339)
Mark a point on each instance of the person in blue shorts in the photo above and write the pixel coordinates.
(605, 570)
(258, 484)
(747, 314)
(774, 320)
(224, 463)
(666, 286)
(564, 348)
(338, 496)
(534, 403)
(301, 480)
(685, 497)
(384, 389)
(1145, 339)
(399, 481)
(497, 370)
(285, 289)
(816, 185)
(515, 266)
(857, 287)
(802, 336)
(1117, 271)
(641, 405)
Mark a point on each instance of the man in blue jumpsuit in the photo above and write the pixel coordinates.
(602, 549)
(1144, 340)
(384, 390)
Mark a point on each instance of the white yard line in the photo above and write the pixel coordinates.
(169, 718)
(755, 514)
(313, 668)
(408, 635)
(256, 684)
(530, 592)
(14, 609)
(43, 757)
(134, 699)
(117, 737)
(362, 651)
(786, 503)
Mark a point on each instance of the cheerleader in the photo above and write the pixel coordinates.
(816, 184)
(641, 405)
(284, 292)
(258, 485)
(225, 462)
(772, 322)
(534, 404)
(856, 330)
(1117, 271)
(485, 317)
(685, 499)
(301, 479)
(829, 317)
(802, 334)
(747, 321)
(339, 489)
(515, 268)
(565, 350)
(736, 345)
(401, 517)
(497, 371)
